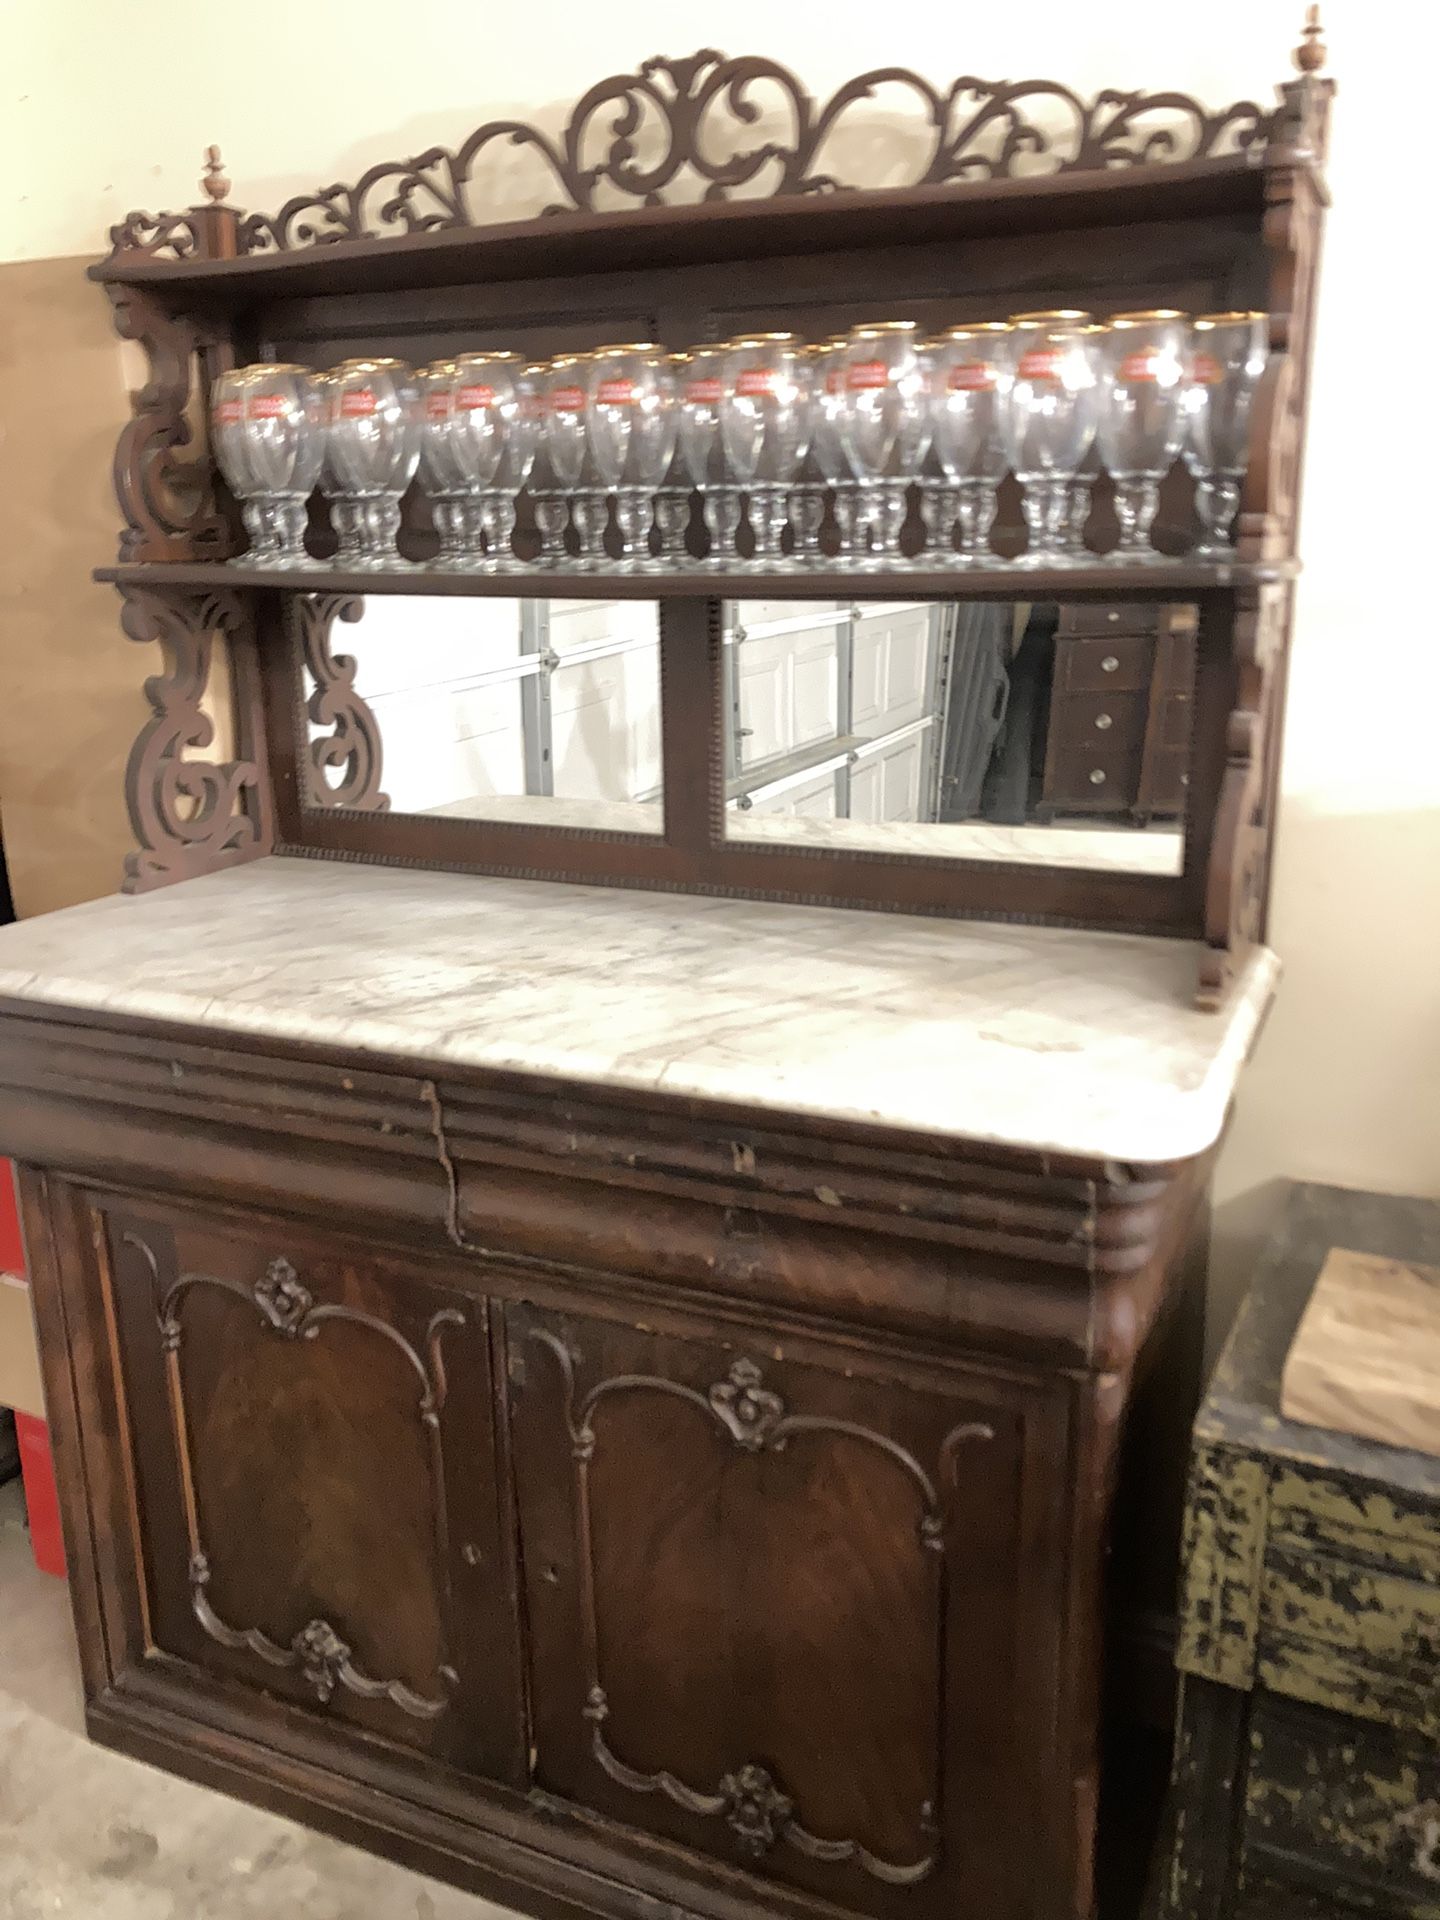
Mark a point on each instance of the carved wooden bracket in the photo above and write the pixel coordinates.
(168, 503)
(1239, 851)
(194, 816)
(352, 740)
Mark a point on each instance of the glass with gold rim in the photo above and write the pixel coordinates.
(631, 423)
(765, 431)
(1049, 421)
(885, 425)
(972, 368)
(1142, 417)
(1228, 355)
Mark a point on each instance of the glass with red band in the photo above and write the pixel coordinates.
(1142, 417)
(1229, 355)
(372, 447)
(1049, 422)
(266, 435)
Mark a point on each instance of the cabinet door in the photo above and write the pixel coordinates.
(311, 1431)
(794, 1611)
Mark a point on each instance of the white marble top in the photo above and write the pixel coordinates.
(1076, 1043)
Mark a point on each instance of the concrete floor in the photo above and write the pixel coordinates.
(90, 1835)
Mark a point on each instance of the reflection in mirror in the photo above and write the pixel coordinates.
(541, 712)
(1050, 736)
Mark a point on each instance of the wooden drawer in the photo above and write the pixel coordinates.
(1347, 1816)
(1093, 777)
(1350, 1606)
(1121, 664)
(1112, 721)
(1132, 617)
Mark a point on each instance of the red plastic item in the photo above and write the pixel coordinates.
(12, 1253)
(42, 1502)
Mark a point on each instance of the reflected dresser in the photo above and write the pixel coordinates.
(621, 1291)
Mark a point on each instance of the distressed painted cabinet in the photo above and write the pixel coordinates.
(1307, 1777)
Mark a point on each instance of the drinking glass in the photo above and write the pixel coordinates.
(631, 421)
(885, 425)
(972, 370)
(1230, 351)
(269, 441)
(699, 388)
(552, 509)
(454, 506)
(372, 447)
(1049, 420)
(565, 464)
(493, 435)
(1142, 417)
(827, 449)
(765, 430)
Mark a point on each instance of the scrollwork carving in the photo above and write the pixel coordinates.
(191, 815)
(709, 126)
(351, 739)
(755, 1420)
(168, 502)
(317, 1651)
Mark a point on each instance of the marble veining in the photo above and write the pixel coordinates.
(1042, 1038)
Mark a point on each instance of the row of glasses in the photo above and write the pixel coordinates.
(767, 427)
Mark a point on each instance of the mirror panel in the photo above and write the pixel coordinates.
(541, 712)
(1027, 733)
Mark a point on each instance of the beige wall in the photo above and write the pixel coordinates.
(1345, 1083)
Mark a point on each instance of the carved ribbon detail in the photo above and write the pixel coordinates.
(317, 1652)
(352, 741)
(717, 126)
(192, 816)
(755, 1419)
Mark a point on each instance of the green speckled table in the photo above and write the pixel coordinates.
(1307, 1766)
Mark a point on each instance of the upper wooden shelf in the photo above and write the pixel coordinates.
(1167, 581)
(715, 231)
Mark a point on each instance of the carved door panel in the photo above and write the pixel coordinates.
(779, 1612)
(314, 1455)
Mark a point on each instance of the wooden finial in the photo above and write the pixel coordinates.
(214, 179)
(1311, 53)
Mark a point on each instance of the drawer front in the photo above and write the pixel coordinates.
(1349, 1814)
(1093, 778)
(1122, 664)
(1112, 721)
(1120, 617)
(1350, 1605)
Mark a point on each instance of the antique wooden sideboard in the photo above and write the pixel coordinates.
(577, 1359)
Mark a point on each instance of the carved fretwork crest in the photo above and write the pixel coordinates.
(714, 128)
